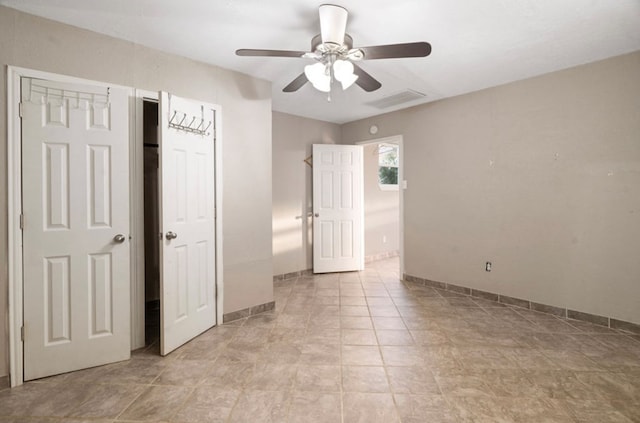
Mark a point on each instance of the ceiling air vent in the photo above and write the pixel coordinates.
(395, 99)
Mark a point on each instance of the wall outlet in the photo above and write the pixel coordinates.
(487, 266)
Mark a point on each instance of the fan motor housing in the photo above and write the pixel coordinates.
(347, 45)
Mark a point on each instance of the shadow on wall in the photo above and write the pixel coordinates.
(248, 88)
(287, 235)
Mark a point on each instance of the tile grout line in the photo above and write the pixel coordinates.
(384, 366)
(184, 402)
(235, 403)
(132, 401)
(341, 355)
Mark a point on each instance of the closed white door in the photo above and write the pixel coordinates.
(338, 237)
(75, 175)
(187, 197)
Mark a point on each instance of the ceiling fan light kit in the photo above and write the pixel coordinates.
(318, 76)
(343, 71)
(333, 51)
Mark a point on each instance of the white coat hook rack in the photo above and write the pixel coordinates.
(195, 126)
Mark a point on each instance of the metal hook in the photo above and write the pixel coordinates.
(191, 123)
(173, 117)
(205, 129)
(183, 118)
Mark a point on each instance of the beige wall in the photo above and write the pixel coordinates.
(293, 137)
(381, 209)
(36, 43)
(541, 177)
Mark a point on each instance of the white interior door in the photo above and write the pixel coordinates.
(338, 234)
(187, 197)
(75, 174)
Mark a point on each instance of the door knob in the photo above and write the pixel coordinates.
(317, 215)
(171, 235)
(119, 239)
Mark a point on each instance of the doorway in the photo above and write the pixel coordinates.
(384, 183)
(178, 162)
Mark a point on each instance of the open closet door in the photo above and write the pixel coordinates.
(187, 216)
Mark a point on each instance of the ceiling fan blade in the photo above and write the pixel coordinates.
(333, 23)
(365, 81)
(396, 51)
(269, 53)
(296, 84)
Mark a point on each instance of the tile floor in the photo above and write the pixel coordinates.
(360, 347)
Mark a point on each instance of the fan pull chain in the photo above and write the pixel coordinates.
(332, 59)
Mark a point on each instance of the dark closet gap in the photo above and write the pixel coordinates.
(151, 223)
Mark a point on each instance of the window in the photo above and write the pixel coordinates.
(388, 166)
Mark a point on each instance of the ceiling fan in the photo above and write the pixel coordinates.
(334, 54)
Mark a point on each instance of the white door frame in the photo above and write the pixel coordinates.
(14, 209)
(402, 185)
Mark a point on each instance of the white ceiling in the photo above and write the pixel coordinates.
(476, 44)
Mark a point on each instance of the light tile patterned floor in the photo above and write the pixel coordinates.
(361, 347)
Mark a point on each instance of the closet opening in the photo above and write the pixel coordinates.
(151, 222)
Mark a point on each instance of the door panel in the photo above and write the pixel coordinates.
(338, 208)
(187, 195)
(99, 178)
(75, 162)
